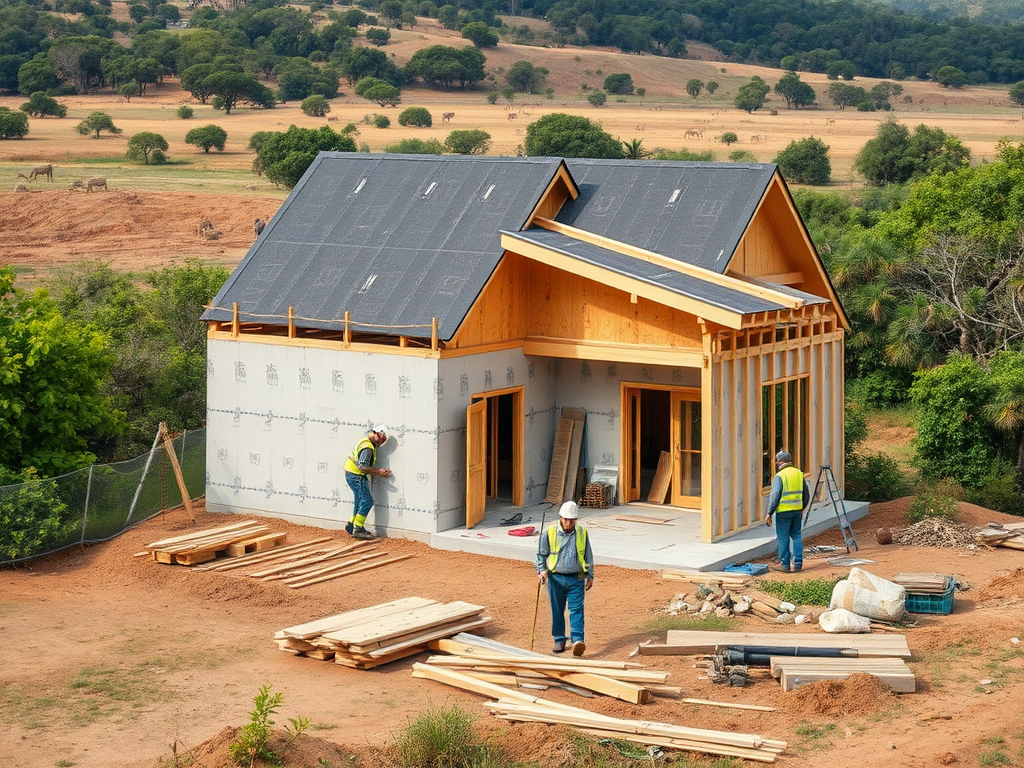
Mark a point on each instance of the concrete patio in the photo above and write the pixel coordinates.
(674, 543)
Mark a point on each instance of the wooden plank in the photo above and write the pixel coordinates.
(643, 519)
(349, 571)
(778, 664)
(662, 480)
(348, 661)
(684, 642)
(257, 544)
(192, 558)
(791, 680)
(559, 461)
(398, 624)
(618, 689)
(730, 705)
(358, 616)
(179, 478)
(425, 637)
(467, 683)
(195, 534)
(575, 447)
(319, 558)
(319, 569)
(278, 553)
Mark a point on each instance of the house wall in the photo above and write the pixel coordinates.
(283, 418)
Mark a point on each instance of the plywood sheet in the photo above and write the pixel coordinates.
(662, 479)
(575, 448)
(559, 461)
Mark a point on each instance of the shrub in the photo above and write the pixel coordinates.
(185, 112)
(13, 125)
(802, 592)
(938, 501)
(416, 147)
(1000, 490)
(315, 106)
(416, 116)
(41, 105)
(33, 519)
(468, 142)
(873, 478)
(207, 137)
(382, 121)
(254, 739)
(597, 98)
(439, 738)
(728, 138)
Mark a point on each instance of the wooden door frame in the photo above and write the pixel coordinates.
(678, 395)
(476, 471)
(626, 470)
(518, 436)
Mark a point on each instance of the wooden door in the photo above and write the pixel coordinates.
(686, 445)
(631, 445)
(476, 462)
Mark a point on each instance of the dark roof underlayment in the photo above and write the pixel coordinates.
(692, 287)
(397, 240)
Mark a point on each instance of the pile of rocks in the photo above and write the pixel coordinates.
(936, 532)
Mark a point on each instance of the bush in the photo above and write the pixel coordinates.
(416, 116)
(873, 478)
(439, 738)
(382, 121)
(939, 500)
(728, 138)
(315, 106)
(1000, 490)
(185, 112)
(882, 388)
(416, 147)
(33, 520)
(802, 592)
(13, 125)
(41, 105)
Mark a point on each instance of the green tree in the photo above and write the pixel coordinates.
(728, 138)
(193, 79)
(634, 149)
(480, 35)
(51, 398)
(694, 86)
(1005, 408)
(883, 93)
(416, 147)
(805, 161)
(128, 90)
(841, 70)
(562, 135)
(234, 87)
(185, 112)
(315, 106)
(378, 36)
(844, 95)
(620, 84)
(524, 77)
(36, 75)
(896, 155)
(951, 77)
(597, 98)
(468, 142)
(418, 117)
(442, 66)
(363, 62)
(376, 90)
(1017, 93)
(207, 136)
(33, 518)
(96, 122)
(147, 145)
(712, 86)
(795, 91)
(751, 96)
(285, 157)
(41, 105)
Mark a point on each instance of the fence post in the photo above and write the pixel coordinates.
(88, 490)
(145, 470)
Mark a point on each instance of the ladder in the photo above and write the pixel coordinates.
(827, 486)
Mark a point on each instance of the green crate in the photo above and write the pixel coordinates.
(932, 603)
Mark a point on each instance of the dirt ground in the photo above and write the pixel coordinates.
(112, 661)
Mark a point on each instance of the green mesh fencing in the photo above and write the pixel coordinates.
(97, 503)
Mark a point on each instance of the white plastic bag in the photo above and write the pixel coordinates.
(870, 595)
(842, 620)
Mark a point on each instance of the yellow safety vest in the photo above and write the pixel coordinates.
(352, 463)
(581, 548)
(792, 489)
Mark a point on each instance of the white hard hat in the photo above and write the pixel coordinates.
(569, 510)
(381, 428)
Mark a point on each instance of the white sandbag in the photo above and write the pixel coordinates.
(842, 620)
(869, 595)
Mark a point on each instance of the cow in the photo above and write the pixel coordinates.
(39, 170)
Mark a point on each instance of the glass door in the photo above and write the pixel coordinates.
(686, 434)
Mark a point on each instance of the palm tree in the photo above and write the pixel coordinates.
(634, 149)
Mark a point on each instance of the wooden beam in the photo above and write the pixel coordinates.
(685, 357)
(178, 476)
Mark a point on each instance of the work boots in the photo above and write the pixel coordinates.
(362, 534)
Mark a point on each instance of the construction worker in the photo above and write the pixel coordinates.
(566, 562)
(790, 496)
(358, 467)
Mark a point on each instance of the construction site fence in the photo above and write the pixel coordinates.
(97, 503)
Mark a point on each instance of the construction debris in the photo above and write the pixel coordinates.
(794, 671)
(684, 642)
(368, 637)
(515, 705)
(203, 546)
(936, 532)
(1009, 535)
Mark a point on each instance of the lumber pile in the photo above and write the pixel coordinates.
(368, 637)
(202, 546)
(1010, 535)
(683, 642)
(311, 562)
(510, 704)
(724, 579)
(923, 583)
(508, 665)
(794, 671)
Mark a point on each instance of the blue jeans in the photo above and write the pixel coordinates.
(562, 589)
(787, 526)
(360, 485)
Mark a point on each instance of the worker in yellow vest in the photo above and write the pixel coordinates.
(566, 562)
(790, 496)
(360, 464)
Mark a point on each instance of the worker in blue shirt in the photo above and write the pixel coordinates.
(566, 562)
(790, 496)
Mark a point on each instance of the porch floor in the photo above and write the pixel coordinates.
(644, 546)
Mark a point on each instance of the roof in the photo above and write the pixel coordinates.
(693, 212)
(395, 240)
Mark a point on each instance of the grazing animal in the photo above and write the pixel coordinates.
(694, 134)
(332, 119)
(95, 183)
(204, 225)
(446, 117)
(20, 188)
(76, 184)
(39, 170)
(511, 115)
(258, 226)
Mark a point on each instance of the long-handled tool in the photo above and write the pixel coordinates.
(536, 603)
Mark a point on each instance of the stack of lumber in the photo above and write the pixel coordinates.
(508, 665)
(368, 637)
(202, 546)
(923, 583)
(794, 671)
(1009, 535)
(311, 562)
(683, 642)
(510, 704)
(726, 579)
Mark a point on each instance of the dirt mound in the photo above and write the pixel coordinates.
(305, 750)
(861, 693)
(1004, 587)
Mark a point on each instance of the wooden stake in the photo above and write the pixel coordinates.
(169, 447)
